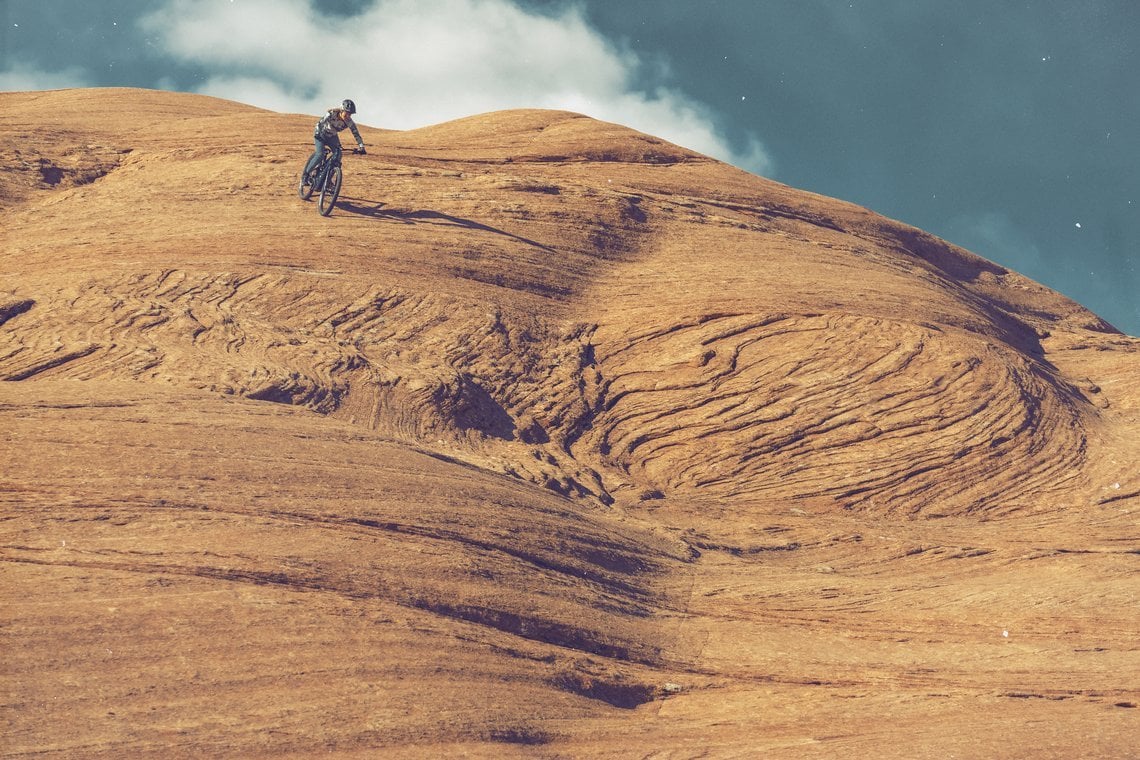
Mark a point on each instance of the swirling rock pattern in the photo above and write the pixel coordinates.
(554, 438)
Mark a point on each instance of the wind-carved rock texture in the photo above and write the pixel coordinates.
(554, 437)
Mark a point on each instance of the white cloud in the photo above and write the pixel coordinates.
(23, 79)
(409, 63)
(258, 91)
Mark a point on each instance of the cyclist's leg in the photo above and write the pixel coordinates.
(315, 159)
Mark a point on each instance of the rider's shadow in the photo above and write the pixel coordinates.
(376, 210)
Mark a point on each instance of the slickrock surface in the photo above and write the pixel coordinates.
(554, 440)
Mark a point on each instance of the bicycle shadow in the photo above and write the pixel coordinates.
(376, 210)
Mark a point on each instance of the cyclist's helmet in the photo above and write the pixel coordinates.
(349, 106)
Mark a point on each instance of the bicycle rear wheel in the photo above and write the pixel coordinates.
(330, 191)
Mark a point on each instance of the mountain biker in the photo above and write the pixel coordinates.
(325, 134)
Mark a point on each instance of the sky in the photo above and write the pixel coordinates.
(1010, 128)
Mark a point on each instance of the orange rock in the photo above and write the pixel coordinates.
(553, 435)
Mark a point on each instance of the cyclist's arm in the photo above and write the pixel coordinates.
(356, 133)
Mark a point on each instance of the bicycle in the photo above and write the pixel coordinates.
(327, 176)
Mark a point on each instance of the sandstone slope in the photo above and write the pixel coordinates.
(554, 438)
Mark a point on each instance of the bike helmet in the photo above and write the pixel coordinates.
(349, 106)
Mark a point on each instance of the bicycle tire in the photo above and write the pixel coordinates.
(330, 191)
(304, 191)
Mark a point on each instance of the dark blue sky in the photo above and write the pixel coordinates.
(1011, 128)
(999, 126)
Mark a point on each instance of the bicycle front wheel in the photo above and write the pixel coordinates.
(305, 191)
(330, 191)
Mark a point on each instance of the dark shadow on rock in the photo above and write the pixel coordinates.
(955, 262)
(376, 210)
(14, 308)
(473, 408)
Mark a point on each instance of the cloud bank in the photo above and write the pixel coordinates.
(409, 64)
(21, 78)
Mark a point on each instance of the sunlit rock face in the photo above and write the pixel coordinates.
(554, 437)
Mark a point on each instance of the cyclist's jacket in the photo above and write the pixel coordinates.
(335, 121)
